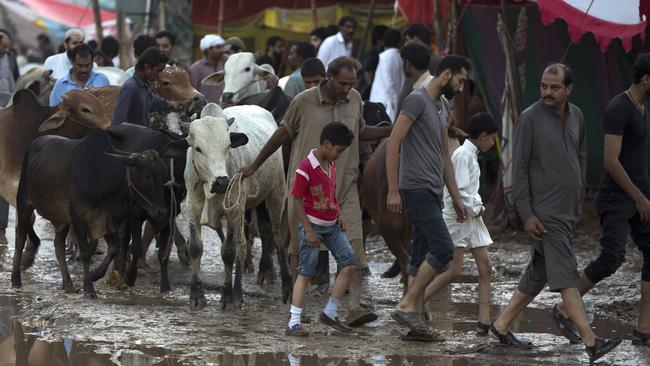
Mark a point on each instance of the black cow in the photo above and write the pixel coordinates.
(92, 186)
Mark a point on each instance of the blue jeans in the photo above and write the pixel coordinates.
(431, 240)
(334, 239)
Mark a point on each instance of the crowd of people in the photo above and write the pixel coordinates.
(432, 180)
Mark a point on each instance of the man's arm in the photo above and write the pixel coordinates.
(397, 136)
(618, 173)
(450, 181)
(123, 106)
(369, 133)
(275, 141)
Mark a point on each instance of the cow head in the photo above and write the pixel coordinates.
(174, 84)
(39, 80)
(81, 110)
(211, 141)
(242, 77)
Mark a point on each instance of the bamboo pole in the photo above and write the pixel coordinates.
(314, 15)
(161, 15)
(98, 21)
(366, 31)
(124, 42)
(220, 23)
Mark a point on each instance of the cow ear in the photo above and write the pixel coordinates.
(55, 121)
(174, 149)
(230, 121)
(35, 87)
(214, 79)
(47, 73)
(126, 158)
(238, 139)
(264, 70)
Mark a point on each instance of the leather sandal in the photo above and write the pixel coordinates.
(640, 339)
(509, 339)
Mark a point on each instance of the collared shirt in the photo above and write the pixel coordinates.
(65, 84)
(333, 47)
(317, 188)
(127, 75)
(135, 103)
(304, 120)
(60, 65)
(468, 175)
(7, 79)
(422, 80)
(295, 85)
(549, 164)
(199, 71)
(388, 81)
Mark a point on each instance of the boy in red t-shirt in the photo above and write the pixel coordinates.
(317, 211)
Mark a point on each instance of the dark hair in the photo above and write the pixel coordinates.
(142, 43)
(420, 31)
(93, 44)
(391, 38)
(312, 67)
(346, 19)
(82, 50)
(417, 54)
(337, 134)
(110, 46)
(454, 63)
(166, 34)
(377, 33)
(6, 32)
(319, 32)
(331, 30)
(567, 74)
(342, 62)
(43, 38)
(151, 57)
(272, 41)
(305, 50)
(641, 66)
(479, 123)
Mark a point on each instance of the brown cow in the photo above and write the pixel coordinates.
(25, 120)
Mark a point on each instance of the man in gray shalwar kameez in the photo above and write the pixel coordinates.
(549, 166)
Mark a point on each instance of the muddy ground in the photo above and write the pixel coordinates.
(41, 325)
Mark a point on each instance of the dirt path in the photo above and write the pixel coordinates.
(139, 326)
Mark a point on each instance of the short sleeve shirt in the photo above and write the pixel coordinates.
(422, 157)
(317, 189)
(622, 118)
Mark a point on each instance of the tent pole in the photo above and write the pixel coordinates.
(98, 21)
(161, 15)
(124, 42)
(366, 31)
(314, 15)
(220, 23)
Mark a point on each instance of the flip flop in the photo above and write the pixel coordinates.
(413, 336)
(566, 326)
(640, 339)
(410, 320)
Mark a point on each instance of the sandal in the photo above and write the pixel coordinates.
(411, 320)
(566, 326)
(482, 329)
(413, 336)
(640, 339)
(509, 339)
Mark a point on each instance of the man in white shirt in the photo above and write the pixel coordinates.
(389, 76)
(60, 63)
(339, 44)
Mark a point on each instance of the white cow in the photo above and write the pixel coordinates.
(222, 142)
(241, 76)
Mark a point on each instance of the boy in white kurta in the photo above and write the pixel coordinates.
(472, 234)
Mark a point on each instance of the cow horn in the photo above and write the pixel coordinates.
(230, 121)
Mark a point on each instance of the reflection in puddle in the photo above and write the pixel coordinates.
(288, 359)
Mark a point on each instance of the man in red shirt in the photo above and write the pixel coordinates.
(317, 211)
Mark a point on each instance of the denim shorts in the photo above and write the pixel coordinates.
(431, 239)
(335, 241)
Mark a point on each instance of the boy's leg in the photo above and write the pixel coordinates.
(448, 276)
(482, 258)
(306, 269)
(576, 311)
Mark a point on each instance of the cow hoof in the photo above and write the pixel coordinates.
(184, 255)
(115, 280)
(164, 287)
(27, 260)
(16, 281)
(90, 295)
(70, 289)
(267, 277)
(249, 267)
(198, 303)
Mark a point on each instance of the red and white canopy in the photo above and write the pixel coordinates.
(606, 19)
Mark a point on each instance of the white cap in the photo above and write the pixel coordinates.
(74, 32)
(211, 40)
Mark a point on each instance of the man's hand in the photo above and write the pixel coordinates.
(643, 205)
(534, 228)
(247, 171)
(175, 105)
(341, 223)
(312, 238)
(461, 211)
(394, 202)
(271, 81)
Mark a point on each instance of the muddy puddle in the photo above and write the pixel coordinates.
(41, 325)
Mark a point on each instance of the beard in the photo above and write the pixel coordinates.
(69, 54)
(448, 91)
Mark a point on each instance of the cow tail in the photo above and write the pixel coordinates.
(24, 213)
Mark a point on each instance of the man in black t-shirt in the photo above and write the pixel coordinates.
(622, 201)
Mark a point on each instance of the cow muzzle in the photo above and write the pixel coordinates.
(220, 185)
(196, 104)
(227, 98)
